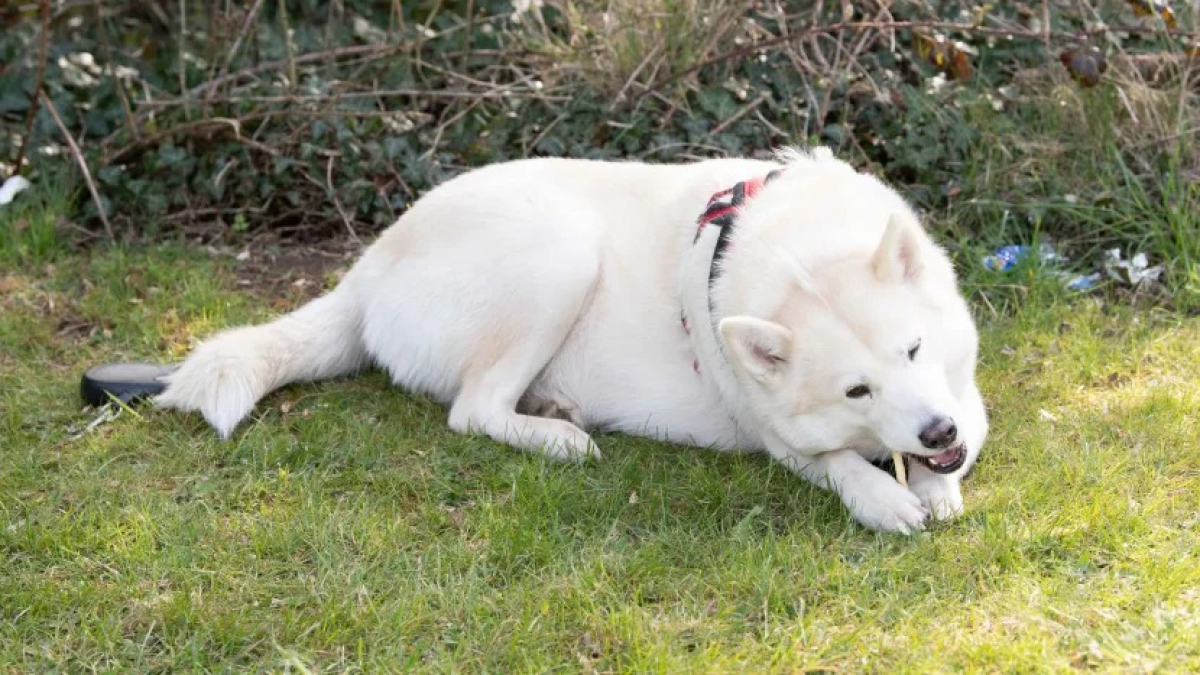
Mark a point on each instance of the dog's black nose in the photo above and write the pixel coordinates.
(939, 433)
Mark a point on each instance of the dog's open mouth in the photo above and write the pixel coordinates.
(948, 461)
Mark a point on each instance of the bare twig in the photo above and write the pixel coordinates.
(337, 202)
(247, 23)
(767, 123)
(752, 105)
(634, 74)
(544, 132)
(470, 23)
(182, 70)
(200, 128)
(37, 86)
(195, 129)
(991, 308)
(325, 55)
(443, 125)
(105, 44)
(500, 91)
(78, 154)
(1046, 23)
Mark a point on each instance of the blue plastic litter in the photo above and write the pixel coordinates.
(1007, 257)
(1082, 282)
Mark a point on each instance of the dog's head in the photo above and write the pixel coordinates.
(864, 342)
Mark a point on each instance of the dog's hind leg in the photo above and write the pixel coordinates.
(518, 348)
(487, 408)
(553, 408)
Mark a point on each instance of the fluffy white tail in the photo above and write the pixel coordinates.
(227, 374)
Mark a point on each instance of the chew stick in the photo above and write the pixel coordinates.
(901, 474)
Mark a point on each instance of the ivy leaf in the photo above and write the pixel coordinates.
(717, 102)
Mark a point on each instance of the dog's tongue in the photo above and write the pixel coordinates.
(946, 457)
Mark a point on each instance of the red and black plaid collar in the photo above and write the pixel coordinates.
(721, 212)
(723, 206)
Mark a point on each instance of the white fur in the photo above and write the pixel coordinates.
(539, 298)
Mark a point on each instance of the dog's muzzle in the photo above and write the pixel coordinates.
(947, 461)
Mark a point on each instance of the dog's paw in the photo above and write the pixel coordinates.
(941, 495)
(569, 443)
(883, 505)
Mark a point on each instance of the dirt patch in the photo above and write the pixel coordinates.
(285, 273)
(73, 327)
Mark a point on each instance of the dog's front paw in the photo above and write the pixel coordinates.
(883, 505)
(941, 495)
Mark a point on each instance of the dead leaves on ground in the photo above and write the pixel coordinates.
(1159, 8)
(950, 57)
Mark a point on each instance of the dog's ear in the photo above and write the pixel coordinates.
(761, 348)
(898, 257)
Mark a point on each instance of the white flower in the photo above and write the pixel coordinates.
(523, 7)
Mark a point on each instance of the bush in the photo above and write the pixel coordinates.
(310, 119)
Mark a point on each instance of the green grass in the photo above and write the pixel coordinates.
(344, 527)
(30, 224)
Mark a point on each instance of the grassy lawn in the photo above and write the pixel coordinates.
(345, 528)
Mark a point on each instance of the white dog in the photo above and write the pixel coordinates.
(804, 311)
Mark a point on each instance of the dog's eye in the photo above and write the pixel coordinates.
(912, 351)
(858, 391)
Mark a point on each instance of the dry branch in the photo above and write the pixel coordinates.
(79, 159)
(37, 85)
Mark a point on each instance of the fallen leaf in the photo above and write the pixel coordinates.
(1085, 64)
(10, 283)
(950, 58)
(1159, 8)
